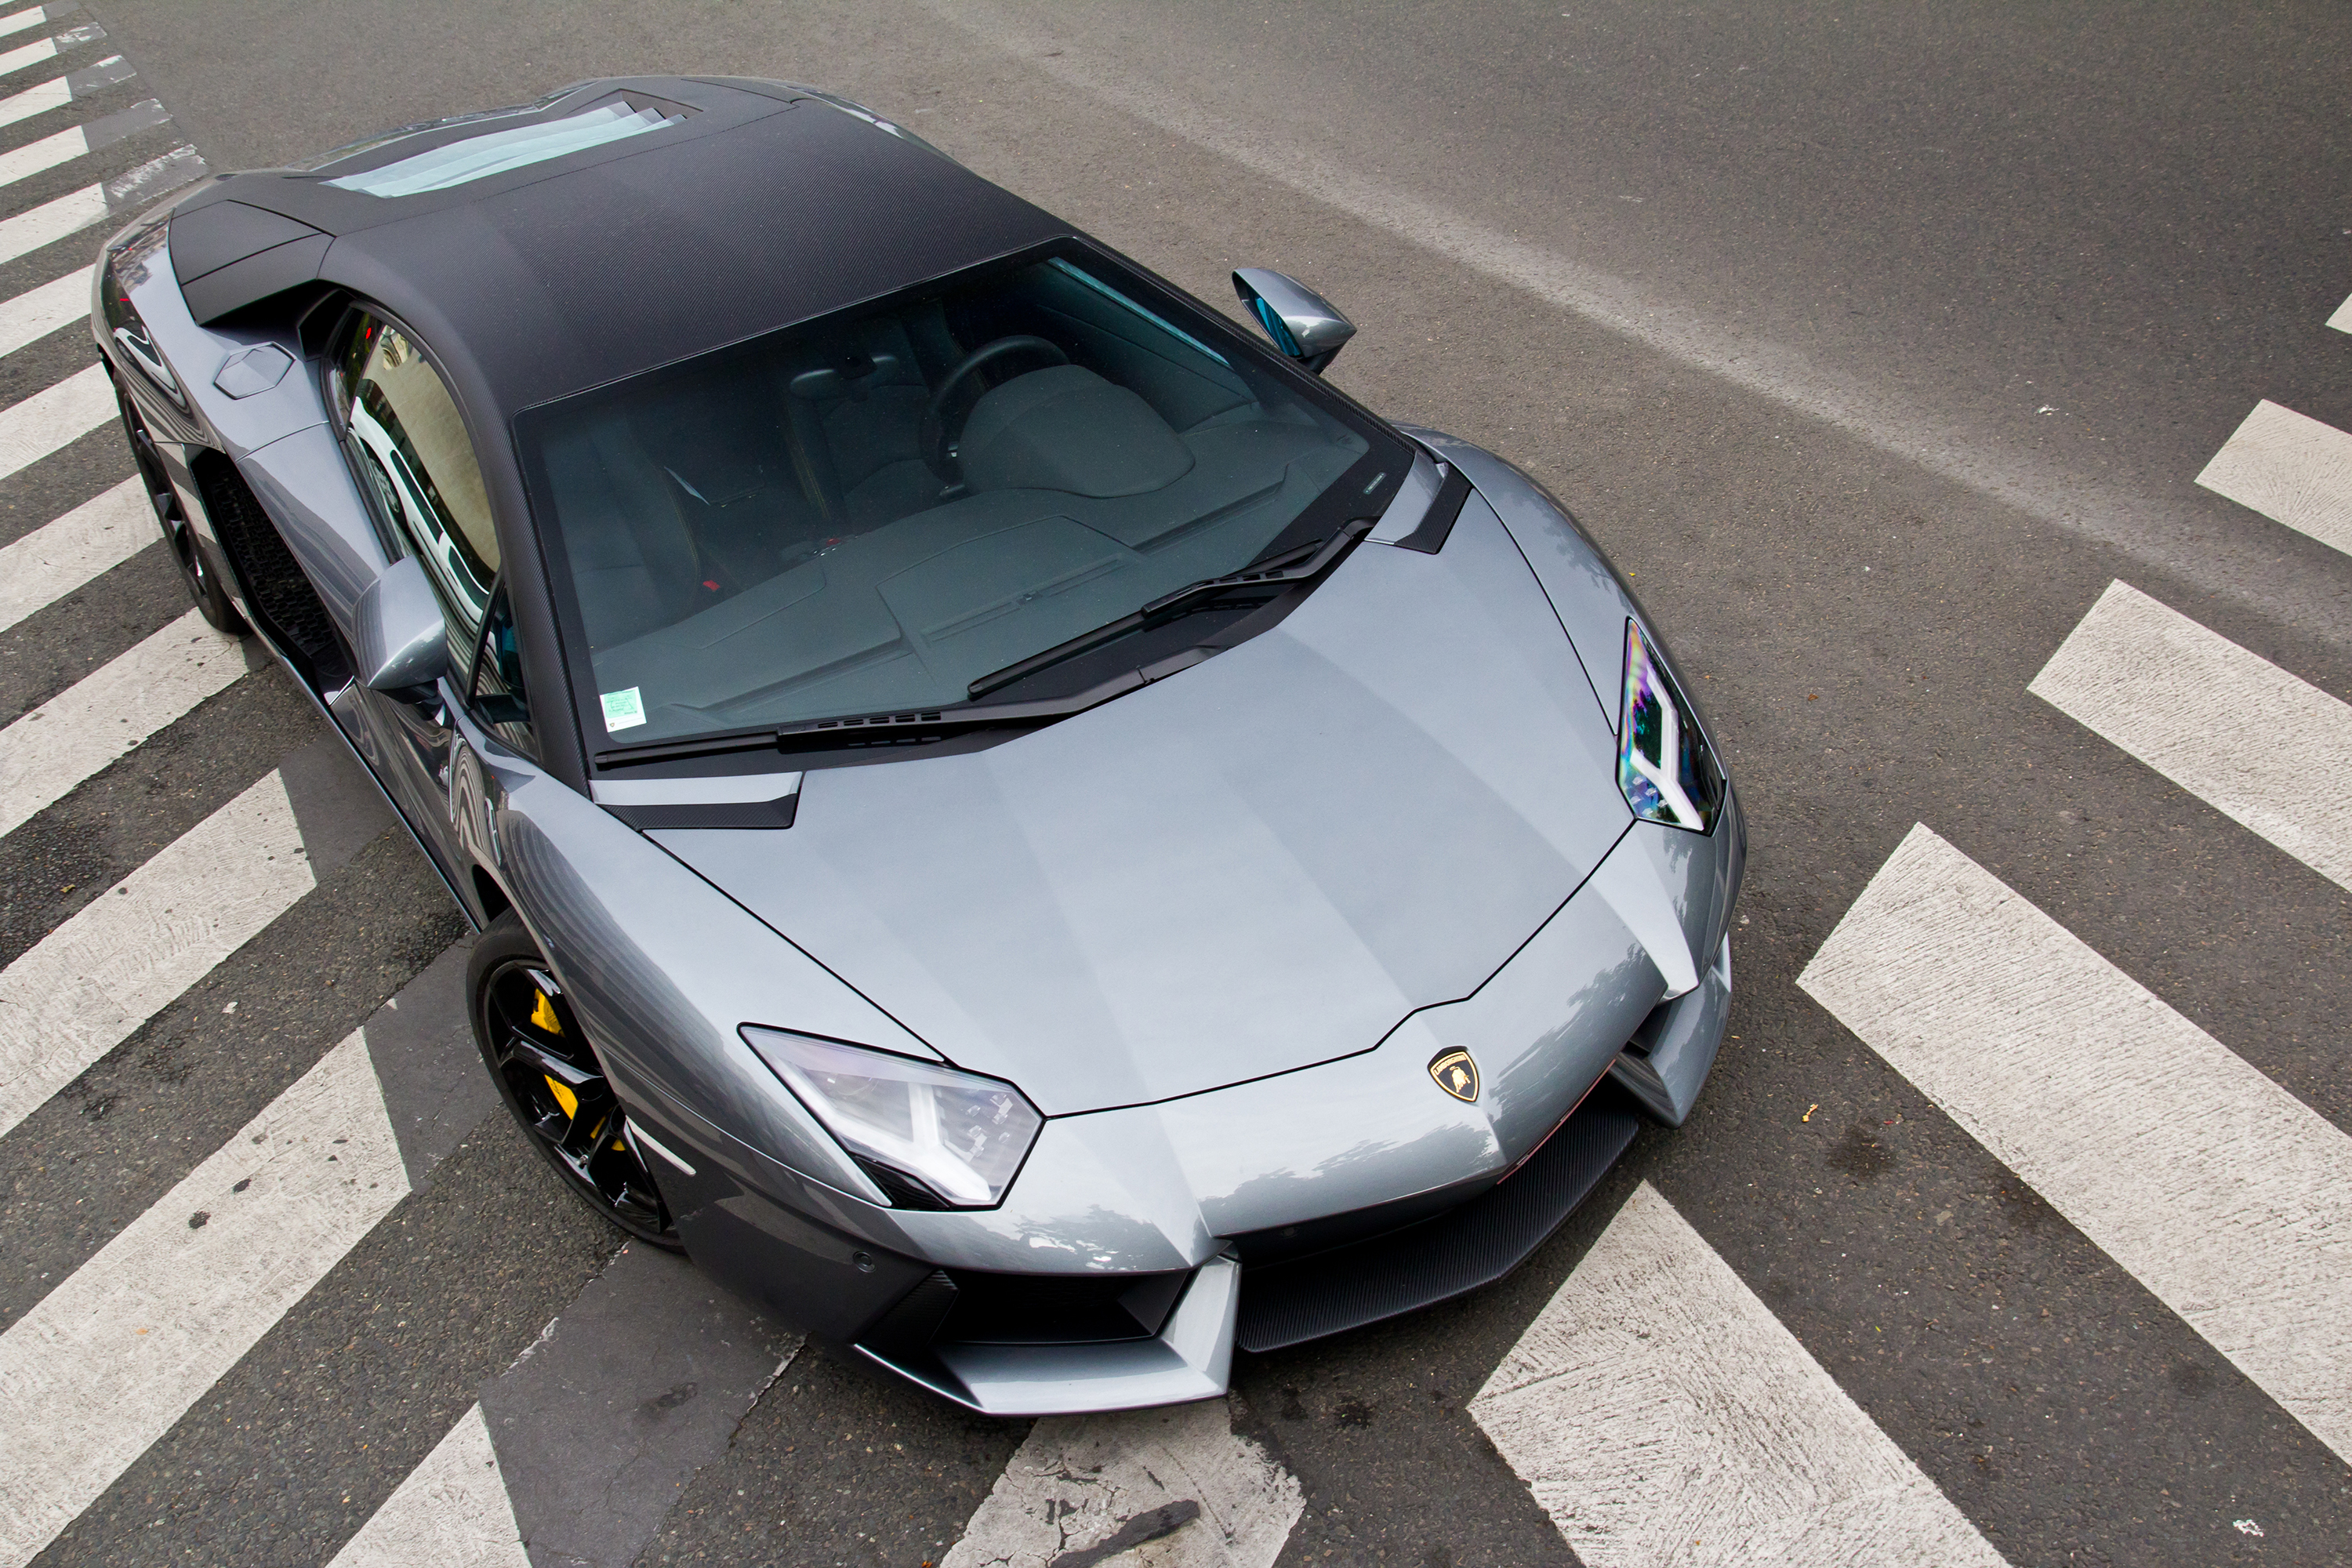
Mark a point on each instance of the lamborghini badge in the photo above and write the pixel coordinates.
(1456, 1074)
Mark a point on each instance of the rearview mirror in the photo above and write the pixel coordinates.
(1302, 324)
(403, 640)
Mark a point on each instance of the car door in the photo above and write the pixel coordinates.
(406, 438)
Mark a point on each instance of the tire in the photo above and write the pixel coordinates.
(554, 1086)
(202, 584)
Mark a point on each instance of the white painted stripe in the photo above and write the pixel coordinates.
(1660, 1414)
(110, 711)
(38, 312)
(51, 222)
(31, 54)
(2225, 1195)
(2290, 468)
(2342, 320)
(53, 417)
(23, 162)
(111, 1358)
(61, 555)
(53, 93)
(132, 950)
(17, 21)
(2257, 744)
(451, 1513)
(1178, 1477)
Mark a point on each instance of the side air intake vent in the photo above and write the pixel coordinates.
(281, 597)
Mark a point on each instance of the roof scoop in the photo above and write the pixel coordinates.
(474, 158)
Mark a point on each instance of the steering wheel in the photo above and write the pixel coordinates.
(940, 429)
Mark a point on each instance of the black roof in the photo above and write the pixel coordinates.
(763, 205)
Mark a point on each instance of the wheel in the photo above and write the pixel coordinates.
(204, 587)
(555, 1087)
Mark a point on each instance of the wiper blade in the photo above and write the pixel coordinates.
(918, 727)
(891, 729)
(1305, 563)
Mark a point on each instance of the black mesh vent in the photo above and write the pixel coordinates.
(279, 594)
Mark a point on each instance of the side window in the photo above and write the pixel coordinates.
(410, 446)
(496, 694)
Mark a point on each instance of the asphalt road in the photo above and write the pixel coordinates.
(1872, 343)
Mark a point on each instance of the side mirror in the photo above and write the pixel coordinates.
(403, 640)
(1302, 324)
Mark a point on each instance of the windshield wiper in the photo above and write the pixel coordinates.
(860, 729)
(1303, 563)
(921, 727)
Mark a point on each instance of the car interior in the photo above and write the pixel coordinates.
(874, 510)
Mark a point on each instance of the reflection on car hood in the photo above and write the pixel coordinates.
(1258, 864)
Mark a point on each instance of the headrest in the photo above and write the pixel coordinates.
(1066, 428)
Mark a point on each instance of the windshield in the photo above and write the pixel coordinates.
(872, 512)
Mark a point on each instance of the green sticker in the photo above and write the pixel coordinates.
(622, 709)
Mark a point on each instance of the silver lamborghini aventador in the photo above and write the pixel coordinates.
(1008, 818)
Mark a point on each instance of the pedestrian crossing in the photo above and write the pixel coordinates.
(2230, 726)
(2221, 1193)
(80, 730)
(1655, 1407)
(54, 417)
(61, 555)
(122, 957)
(17, 21)
(1660, 1413)
(58, 91)
(117, 1353)
(68, 214)
(2291, 467)
(32, 316)
(41, 49)
(451, 1513)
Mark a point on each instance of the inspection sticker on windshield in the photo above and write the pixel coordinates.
(622, 709)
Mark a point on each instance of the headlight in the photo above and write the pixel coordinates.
(929, 1136)
(1664, 763)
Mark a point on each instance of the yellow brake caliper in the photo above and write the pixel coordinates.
(542, 1015)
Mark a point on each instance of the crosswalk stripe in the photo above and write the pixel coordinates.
(77, 210)
(58, 91)
(61, 555)
(33, 54)
(51, 221)
(651, 1325)
(110, 711)
(17, 21)
(1095, 1487)
(451, 1513)
(129, 952)
(2290, 468)
(53, 417)
(108, 1362)
(23, 162)
(2342, 320)
(2223, 1195)
(1660, 1414)
(2253, 741)
(36, 313)
(53, 93)
(65, 146)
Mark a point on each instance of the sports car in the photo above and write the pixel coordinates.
(1014, 822)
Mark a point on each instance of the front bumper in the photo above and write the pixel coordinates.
(1269, 1212)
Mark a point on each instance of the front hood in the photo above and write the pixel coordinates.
(1258, 864)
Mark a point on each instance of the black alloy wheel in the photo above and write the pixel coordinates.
(202, 585)
(553, 1083)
